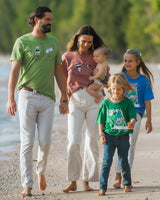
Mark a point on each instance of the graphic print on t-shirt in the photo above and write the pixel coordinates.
(133, 96)
(37, 51)
(117, 118)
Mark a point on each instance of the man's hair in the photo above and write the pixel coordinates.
(39, 12)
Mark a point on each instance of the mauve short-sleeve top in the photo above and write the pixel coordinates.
(77, 68)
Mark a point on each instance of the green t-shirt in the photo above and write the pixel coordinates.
(38, 57)
(115, 116)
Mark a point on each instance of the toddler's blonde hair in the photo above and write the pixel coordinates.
(121, 80)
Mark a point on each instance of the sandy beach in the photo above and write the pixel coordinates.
(145, 171)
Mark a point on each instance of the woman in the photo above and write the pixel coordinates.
(78, 65)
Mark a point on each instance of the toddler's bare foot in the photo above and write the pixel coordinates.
(128, 189)
(101, 193)
(86, 186)
(71, 187)
(42, 182)
(26, 192)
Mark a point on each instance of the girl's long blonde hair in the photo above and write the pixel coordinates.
(121, 80)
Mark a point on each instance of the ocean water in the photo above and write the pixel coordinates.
(9, 134)
(9, 125)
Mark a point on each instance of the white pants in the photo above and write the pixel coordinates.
(133, 140)
(82, 108)
(34, 109)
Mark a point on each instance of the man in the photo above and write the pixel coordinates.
(37, 56)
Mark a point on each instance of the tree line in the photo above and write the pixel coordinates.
(121, 23)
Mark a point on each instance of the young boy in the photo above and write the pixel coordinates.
(116, 119)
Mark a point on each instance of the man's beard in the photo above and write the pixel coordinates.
(46, 28)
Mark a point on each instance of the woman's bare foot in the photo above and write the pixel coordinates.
(26, 192)
(71, 187)
(42, 182)
(128, 189)
(101, 193)
(86, 186)
(117, 183)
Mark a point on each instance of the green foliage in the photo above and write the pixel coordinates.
(109, 19)
(153, 28)
(136, 36)
(71, 15)
(8, 16)
(122, 24)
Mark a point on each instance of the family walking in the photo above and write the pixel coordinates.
(81, 75)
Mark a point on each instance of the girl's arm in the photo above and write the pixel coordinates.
(148, 125)
(101, 134)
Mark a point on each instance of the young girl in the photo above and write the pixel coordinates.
(141, 97)
(101, 73)
(116, 119)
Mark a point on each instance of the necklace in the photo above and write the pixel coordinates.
(116, 100)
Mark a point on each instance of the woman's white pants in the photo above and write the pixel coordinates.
(82, 108)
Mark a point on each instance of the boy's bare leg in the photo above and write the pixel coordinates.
(118, 179)
(128, 189)
(71, 187)
(86, 186)
(26, 192)
(42, 182)
(101, 193)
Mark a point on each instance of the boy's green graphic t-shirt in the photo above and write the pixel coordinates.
(115, 116)
(38, 57)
